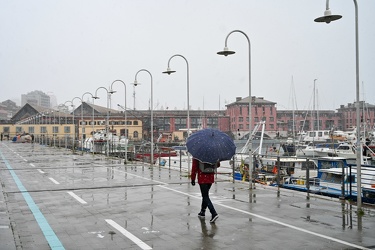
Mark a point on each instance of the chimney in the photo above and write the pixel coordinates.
(238, 99)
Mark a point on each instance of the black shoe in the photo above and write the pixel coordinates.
(201, 214)
(214, 218)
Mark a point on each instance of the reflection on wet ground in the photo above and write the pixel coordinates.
(93, 202)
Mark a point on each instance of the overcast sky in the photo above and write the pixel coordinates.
(70, 47)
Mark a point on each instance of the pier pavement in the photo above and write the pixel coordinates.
(53, 199)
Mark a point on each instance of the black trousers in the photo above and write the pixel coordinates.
(206, 202)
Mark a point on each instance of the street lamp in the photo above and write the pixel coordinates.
(107, 123)
(169, 71)
(66, 121)
(125, 119)
(74, 121)
(227, 52)
(83, 123)
(152, 112)
(328, 18)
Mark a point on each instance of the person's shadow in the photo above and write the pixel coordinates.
(208, 232)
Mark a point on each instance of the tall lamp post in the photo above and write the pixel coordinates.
(66, 121)
(74, 120)
(125, 119)
(152, 112)
(169, 71)
(327, 18)
(84, 123)
(227, 52)
(107, 123)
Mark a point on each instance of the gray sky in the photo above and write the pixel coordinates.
(70, 47)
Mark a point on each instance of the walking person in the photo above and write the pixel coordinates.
(205, 180)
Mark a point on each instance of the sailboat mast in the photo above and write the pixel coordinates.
(316, 115)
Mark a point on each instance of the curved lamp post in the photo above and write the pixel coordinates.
(227, 52)
(107, 123)
(125, 118)
(74, 120)
(169, 71)
(152, 112)
(66, 121)
(83, 123)
(327, 18)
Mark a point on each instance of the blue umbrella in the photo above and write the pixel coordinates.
(210, 146)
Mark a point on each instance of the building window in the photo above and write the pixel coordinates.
(135, 134)
(135, 123)
(55, 129)
(256, 119)
(31, 130)
(67, 130)
(271, 119)
(43, 130)
(18, 130)
(240, 119)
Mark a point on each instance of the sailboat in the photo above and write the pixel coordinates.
(289, 146)
(308, 144)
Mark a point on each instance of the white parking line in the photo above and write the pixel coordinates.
(129, 235)
(40, 171)
(79, 199)
(32, 165)
(54, 181)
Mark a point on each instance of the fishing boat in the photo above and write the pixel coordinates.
(345, 150)
(337, 178)
(143, 153)
(100, 140)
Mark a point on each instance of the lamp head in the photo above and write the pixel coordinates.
(327, 18)
(112, 91)
(226, 52)
(169, 71)
(96, 97)
(136, 83)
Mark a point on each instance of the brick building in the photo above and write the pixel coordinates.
(261, 110)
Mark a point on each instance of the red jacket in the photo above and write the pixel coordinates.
(202, 177)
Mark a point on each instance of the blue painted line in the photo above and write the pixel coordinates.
(48, 232)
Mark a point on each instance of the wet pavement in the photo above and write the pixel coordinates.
(53, 199)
